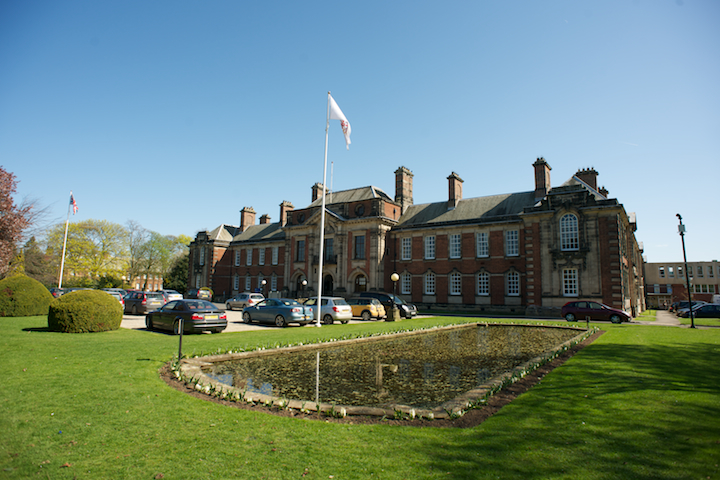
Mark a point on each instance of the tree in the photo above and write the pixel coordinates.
(94, 247)
(177, 276)
(13, 220)
(38, 264)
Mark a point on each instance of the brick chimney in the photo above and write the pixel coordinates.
(589, 176)
(454, 190)
(285, 208)
(403, 188)
(264, 219)
(542, 178)
(603, 191)
(316, 191)
(247, 218)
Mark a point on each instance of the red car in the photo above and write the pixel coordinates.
(581, 309)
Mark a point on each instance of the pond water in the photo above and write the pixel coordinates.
(420, 370)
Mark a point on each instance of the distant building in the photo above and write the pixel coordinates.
(527, 252)
(666, 282)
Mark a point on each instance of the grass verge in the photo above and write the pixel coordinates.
(641, 402)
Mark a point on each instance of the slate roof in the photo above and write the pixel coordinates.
(469, 210)
(224, 233)
(352, 195)
(575, 181)
(260, 233)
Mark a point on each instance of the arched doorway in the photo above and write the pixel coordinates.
(328, 285)
(301, 288)
(360, 283)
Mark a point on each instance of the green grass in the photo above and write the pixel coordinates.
(701, 322)
(647, 316)
(641, 402)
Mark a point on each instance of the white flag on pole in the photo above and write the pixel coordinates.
(337, 114)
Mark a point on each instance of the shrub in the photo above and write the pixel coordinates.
(22, 296)
(85, 311)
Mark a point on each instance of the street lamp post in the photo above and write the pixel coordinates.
(263, 283)
(681, 230)
(395, 313)
(304, 284)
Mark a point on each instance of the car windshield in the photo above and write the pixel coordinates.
(397, 300)
(288, 301)
(339, 301)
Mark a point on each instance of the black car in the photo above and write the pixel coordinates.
(708, 310)
(407, 310)
(199, 293)
(197, 316)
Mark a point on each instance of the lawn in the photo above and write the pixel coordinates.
(641, 402)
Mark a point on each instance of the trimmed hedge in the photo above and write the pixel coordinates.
(85, 311)
(22, 296)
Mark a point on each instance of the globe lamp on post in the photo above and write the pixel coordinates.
(304, 286)
(395, 313)
(263, 283)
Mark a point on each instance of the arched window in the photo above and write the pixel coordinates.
(569, 232)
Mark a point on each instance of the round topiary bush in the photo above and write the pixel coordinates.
(22, 296)
(85, 311)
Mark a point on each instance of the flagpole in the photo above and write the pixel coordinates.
(62, 262)
(322, 219)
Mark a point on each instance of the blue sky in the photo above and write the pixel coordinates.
(178, 114)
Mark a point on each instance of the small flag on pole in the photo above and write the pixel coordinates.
(73, 203)
(337, 114)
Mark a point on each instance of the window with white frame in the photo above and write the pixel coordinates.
(237, 258)
(429, 283)
(430, 247)
(236, 282)
(512, 243)
(406, 248)
(248, 259)
(248, 283)
(699, 271)
(570, 282)
(710, 270)
(405, 283)
(455, 283)
(273, 283)
(275, 255)
(670, 272)
(455, 245)
(690, 271)
(483, 283)
(513, 284)
(569, 232)
(680, 272)
(261, 257)
(482, 248)
(661, 272)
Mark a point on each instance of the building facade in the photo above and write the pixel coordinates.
(666, 282)
(527, 252)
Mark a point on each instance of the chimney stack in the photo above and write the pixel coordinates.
(542, 178)
(589, 176)
(316, 191)
(603, 191)
(285, 208)
(403, 188)
(454, 190)
(264, 219)
(247, 218)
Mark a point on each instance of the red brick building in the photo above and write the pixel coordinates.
(526, 252)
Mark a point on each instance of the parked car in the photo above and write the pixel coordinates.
(137, 302)
(118, 297)
(242, 300)
(579, 310)
(407, 310)
(706, 310)
(197, 316)
(278, 311)
(684, 307)
(199, 293)
(169, 295)
(57, 292)
(332, 309)
(367, 308)
(120, 291)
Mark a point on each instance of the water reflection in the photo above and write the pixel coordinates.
(421, 371)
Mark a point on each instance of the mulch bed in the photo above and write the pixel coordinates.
(471, 418)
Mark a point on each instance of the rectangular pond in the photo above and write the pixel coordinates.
(420, 370)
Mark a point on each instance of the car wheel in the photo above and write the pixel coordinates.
(570, 317)
(148, 323)
(366, 315)
(328, 320)
(615, 319)
(280, 321)
(344, 322)
(176, 327)
(228, 307)
(246, 317)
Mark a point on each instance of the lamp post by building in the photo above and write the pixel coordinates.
(395, 313)
(681, 230)
(304, 284)
(263, 283)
